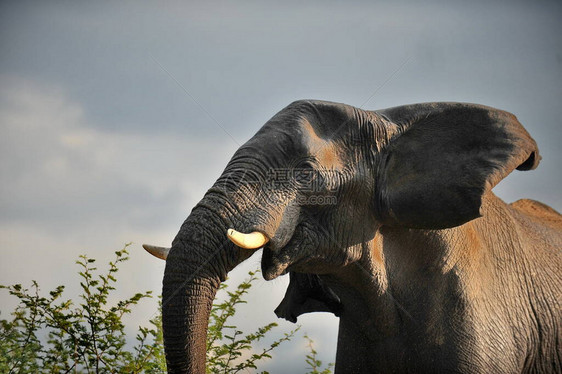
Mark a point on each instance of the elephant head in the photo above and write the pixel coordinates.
(312, 188)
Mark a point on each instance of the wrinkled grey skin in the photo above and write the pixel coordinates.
(427, 269)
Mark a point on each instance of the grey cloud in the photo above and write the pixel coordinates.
(59, 171)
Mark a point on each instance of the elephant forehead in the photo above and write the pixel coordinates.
(323, 150)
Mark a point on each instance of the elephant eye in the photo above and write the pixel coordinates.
(304, 177)
(308, 178)
(305, 164)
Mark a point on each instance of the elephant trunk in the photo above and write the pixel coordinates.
(200, 258)
(185, 318)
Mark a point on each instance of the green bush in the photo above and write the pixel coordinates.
(226, 344)
(48, 334)
(312, 361)
(51, 335)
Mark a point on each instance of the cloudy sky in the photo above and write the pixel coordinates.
(115, 118)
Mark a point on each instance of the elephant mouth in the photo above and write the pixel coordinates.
(278, 261)
(271, 267)
(273, 263)
(274, 266)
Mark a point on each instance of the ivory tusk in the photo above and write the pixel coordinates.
(253, 240)
(160, 252)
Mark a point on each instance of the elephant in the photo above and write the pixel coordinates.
(387, 219)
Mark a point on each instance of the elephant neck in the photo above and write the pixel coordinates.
(393, 303)
(400, 269)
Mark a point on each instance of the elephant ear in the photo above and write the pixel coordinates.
(444, 158)
(307, 293)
